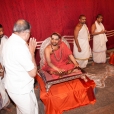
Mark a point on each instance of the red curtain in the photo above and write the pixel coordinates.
(48, 16)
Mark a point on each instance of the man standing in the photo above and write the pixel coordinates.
(20, 66)
(81, 48)
(3, 39)
(4, 96)
(99, 40)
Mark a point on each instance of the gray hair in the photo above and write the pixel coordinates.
(21, 25)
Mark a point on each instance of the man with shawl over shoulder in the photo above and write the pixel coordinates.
(99, 40)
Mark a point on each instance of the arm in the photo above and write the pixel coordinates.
(76, 31)
(32, 47)
(47, 56)
(93, 28)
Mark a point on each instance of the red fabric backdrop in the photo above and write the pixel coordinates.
(48, 16)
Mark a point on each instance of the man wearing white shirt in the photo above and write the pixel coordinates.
(20, 66)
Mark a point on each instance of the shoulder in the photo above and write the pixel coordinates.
(63, 44)
(5, 37)
(48, 48)
(93, 25)
(78, 27)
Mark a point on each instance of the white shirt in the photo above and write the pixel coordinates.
(17, 61)
(3, 41)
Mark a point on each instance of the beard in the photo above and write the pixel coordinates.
(54, 44)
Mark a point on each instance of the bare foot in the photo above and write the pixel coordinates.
(84, 78)
(75, 70)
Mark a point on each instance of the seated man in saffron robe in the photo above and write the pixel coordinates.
(59, 58)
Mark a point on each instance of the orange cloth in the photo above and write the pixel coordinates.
(67, 95)
(111, 61)
(63, 52)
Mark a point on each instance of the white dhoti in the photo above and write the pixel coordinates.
(99, 45)
(26, 103)
(5, 98)
(83, 56)
(82, 63)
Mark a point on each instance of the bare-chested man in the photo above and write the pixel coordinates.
(81, 48)
(57, 56)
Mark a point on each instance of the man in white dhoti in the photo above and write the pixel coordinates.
(81, 48)
(20, 66)
(4, 97)
(99, 40)
(3, 39)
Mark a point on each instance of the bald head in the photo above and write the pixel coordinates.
(21, 25)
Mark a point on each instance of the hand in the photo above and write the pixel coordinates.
(60, 70)
(103, 31)
(32, 45)
(76, 65)
(79, 49)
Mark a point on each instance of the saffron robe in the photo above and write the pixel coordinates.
(63, 52)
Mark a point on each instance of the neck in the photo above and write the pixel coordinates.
(81, 24)
(55, 47)
(21, 36)
(98, 22)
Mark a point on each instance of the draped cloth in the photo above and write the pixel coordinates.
(3, 41)
(83, 39)
(4, 99)
(99, 44)
(63, 53)
(111, 60)
(67, 95)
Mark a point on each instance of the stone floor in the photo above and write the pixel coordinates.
(104, 97)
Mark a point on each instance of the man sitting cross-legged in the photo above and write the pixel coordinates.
(59, 59)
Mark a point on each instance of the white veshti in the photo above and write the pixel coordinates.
(83, 39)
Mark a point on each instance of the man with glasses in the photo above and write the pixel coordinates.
(20, 66)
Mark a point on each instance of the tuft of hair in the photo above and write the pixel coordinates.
(81, 16)
(99, 15)
(56, 34)
(21, 25)
(1, 26)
